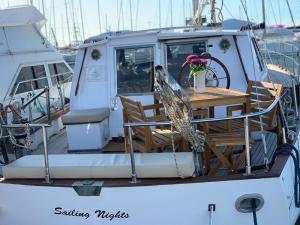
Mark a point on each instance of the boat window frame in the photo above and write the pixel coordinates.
(179, 41)
(13, 88)
(146, 45)
(55, 75)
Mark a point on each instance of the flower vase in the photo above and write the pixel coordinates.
(199, 82)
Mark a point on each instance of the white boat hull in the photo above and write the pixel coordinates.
(175, 204)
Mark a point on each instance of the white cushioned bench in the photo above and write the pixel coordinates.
(85, 116)
(89, 166)
(87, 129)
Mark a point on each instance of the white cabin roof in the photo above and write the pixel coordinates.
(20, 16)
(161, 34)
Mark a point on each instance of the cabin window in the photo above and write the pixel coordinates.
(176, 56)
(59, 73)
(135, 70)
(30, 78)
(258, 54)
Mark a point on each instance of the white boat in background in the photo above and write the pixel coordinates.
(29, 64)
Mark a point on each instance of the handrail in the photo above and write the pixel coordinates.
(40, 78)
(206, 120)
(44, 132)
(195, 121)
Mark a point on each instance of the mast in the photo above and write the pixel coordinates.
(81, 15)
(264, 16)
(68, 24)
(130, 8)
(183, 13)
(99, 16)
(159, 14)
(136, 13)
(74, 22)
(171, 9)
(212, 12)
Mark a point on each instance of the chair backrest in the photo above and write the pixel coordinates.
(134, 112)
(263, 91)
(262, 94)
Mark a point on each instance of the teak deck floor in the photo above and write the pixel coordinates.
(58, 145)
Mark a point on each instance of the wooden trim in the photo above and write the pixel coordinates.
(240, 57)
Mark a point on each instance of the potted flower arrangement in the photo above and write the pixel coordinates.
(198, 69)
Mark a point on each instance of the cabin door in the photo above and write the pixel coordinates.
(134, 70)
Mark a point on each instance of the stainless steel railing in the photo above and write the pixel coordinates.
(45, 143)
(245, 117)
(130, 125)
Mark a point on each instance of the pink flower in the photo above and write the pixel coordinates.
(198, 61)
(190, 58)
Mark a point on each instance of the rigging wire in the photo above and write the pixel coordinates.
(257, 100)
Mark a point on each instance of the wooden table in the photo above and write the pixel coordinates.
(215, 96)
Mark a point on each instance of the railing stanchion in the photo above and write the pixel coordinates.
(47, 170)
(247, 142)
(295, 98)
(48, 104)
(132, 160)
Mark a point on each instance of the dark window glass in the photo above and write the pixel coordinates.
(176, 56)
(59, 73)
(134, 70)
(30, 78)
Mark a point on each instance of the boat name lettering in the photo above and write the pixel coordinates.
(101, 214)
(107, 215)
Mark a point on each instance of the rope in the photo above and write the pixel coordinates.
(174, 155)
(179, 113)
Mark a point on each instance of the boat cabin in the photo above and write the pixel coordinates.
(29, 62)
(122, 63)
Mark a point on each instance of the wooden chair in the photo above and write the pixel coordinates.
(220, 147)
(145, 139)
(230, 134)
(262, 94)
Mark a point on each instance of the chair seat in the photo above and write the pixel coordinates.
(163, 137)
(226, 139)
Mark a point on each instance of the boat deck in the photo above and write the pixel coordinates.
(58, 145)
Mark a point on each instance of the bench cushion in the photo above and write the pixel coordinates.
(81, 166)
(85, 116)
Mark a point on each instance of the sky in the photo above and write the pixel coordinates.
(115, 14)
